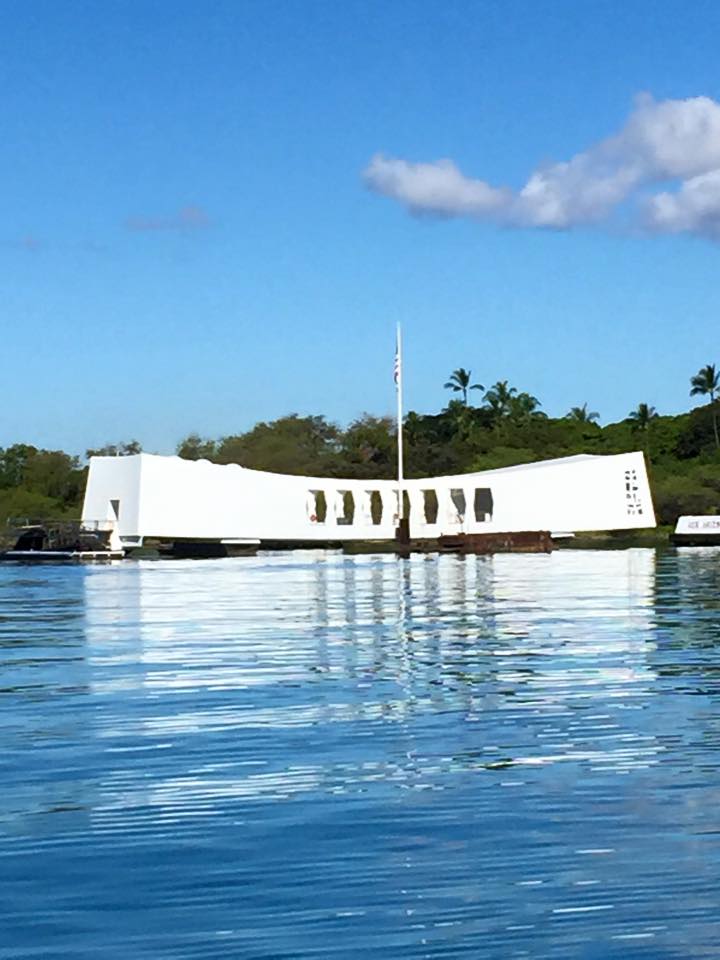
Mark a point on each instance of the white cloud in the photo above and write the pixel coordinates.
(676, 140)
(673, 138)
(438, 188)
(694, 208)
(583, 190)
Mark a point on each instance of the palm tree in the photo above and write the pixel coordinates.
(582, 414)
(525, 406)
(461, 417)
(643, 416)
(641, 420)
(500, 398)
(707, 381)
(460, 382)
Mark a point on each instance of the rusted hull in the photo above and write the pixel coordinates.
(525, 541)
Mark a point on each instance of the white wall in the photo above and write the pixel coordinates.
(170, 497)
(568, 494)
(114, 478)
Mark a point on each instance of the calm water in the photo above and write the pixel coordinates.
(306, 755)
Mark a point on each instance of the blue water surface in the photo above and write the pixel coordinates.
(311, 755)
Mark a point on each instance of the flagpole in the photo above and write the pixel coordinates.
(398, 381)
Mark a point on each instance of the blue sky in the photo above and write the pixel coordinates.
(188, 242)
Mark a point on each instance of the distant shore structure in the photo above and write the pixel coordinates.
(693, 531)
(146, 496)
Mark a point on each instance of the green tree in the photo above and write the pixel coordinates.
(13, 464)
(499, 399)
(524, 407)
(55, 474)
(39, 483)
(460, 419)
(676, 495)
(433, 445)
(640, 419)
(20, 504)
(195, 447)
(707, 382)
(582, 414)
(126, 448)
(459, 382)
(291, 444)
(368, 448)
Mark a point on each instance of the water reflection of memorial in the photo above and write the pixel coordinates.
(538, 659)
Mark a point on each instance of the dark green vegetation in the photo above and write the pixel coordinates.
(39, 483)
(507, 428)
(45, 483)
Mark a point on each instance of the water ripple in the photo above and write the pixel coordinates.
(307, 755)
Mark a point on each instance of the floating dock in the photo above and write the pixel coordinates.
(61, 541)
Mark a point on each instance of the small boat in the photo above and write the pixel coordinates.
(60, 541)
(696, 531)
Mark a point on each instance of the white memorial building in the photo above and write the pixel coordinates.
(148, 496)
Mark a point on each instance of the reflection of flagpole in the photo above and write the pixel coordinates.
(398, 385)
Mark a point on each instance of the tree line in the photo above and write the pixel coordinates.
(507, 427)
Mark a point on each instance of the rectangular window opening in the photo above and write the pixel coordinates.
(430, 505)
(376, 507)
(317, 506)
(483, 504)
(458, 500)
(347, 505)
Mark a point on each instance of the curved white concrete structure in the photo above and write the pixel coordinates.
(153, 496)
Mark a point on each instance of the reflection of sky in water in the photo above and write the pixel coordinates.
(308, 754)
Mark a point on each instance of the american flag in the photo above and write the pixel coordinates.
(398, 363)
